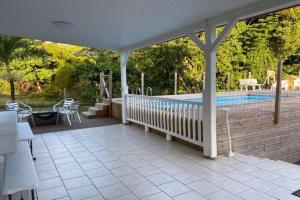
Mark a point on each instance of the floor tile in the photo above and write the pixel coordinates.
(67, 166)
(260, 185)
(114, 164)
(132, 179)
(91, 165)
(148, 170)
(255, 195)
(238, 175)
(53, 193)
(97, 172)
(186, 177)
(222, 195)
(129, 196)
(103, 181)
(190, 196)
(203, 187)
(50, 183)
(233, 186)
(48, 174)
(265, 175)
(71, 174)
(122, 171)
(158, 196)
(282, 194)
(76, 182)
(160, 178)
(287, 183)
(144, 189)
(115, 190)
(174, 188)
(83, 192)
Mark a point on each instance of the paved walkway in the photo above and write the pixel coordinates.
(124, 163)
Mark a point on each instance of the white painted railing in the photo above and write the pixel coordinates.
(178, 118)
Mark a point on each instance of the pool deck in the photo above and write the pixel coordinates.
(124, 163)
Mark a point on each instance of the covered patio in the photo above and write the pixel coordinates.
(124, 162)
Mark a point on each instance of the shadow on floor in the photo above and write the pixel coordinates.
(86, 123)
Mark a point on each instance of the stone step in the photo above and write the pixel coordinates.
(88, 115)
(102, 105)
(94, 110)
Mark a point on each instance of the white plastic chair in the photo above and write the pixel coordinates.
(62, 107)
(284, 85)
(23, 111)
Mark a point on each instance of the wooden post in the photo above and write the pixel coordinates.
(228, 81)
(142, 83)
(203, 81)
(175, 83)
(101, 88)
(65, 93)
(278, 92)
(110, 92)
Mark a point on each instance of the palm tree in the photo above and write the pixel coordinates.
(15, 48)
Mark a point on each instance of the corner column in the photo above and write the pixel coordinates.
(209, 96)
(124, 87)
(209, 93)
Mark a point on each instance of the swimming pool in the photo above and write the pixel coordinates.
(226, 100)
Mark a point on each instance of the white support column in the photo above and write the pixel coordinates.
(209, 93)
(209, 96)
(123, 62)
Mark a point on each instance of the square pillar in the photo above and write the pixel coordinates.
(124, 87)
(209, 96)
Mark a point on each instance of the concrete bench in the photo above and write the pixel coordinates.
(19, 172)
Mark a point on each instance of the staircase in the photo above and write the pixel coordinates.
(102, 109)
(98, 111)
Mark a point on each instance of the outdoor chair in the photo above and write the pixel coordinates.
(297, 84)
(23, 111)
(69, 110)
(61, 105)
(284, 85)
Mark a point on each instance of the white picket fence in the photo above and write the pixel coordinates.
(178, 118)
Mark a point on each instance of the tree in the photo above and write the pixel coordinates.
(15, 48)
(283, 42)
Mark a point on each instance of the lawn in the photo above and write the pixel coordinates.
(37, 103)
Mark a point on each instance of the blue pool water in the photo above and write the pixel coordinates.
(225, 100)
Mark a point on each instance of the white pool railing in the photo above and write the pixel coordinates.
(177, 118)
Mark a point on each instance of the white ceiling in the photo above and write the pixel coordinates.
(119, 24)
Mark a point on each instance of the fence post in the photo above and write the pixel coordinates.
(142, 83)
(175, 83)
(203, 81)
(228, 81)
(278, 92)
(65, 93)
(110, 85)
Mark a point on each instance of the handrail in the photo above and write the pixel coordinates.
(230, 153)
(165, 99)
(147, 91)
(138, 90)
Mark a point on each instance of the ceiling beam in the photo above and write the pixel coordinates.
(255, 9)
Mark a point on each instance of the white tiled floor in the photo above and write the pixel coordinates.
(123, 163)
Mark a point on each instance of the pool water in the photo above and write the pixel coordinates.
(226, 100)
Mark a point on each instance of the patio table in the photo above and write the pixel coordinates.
(46, 118)
(24, 133)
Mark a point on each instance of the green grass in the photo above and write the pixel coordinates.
(37, 103)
